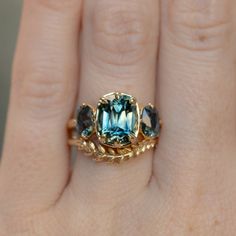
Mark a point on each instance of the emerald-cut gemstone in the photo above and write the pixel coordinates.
(117, 119)
(150, 123)
(85, 121)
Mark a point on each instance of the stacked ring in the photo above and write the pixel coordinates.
(117, 130)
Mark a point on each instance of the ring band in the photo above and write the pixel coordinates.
(117, 130)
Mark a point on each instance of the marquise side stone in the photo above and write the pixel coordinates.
(150, 123)
(85, 121)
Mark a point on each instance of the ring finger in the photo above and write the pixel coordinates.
(119, 54)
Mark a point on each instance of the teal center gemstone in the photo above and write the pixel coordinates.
(117, 119)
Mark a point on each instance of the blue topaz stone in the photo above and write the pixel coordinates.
(150, 122)
(117, 119)
(85, 121)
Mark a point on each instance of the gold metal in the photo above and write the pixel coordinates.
(117, 95)
(161, 123)
(103, 100)
(99, 152)
(95, 147)
(151, 105)
(72, 124)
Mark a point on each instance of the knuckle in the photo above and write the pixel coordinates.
(120, 34)
(200, 25)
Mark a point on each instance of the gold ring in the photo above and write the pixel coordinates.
(117, 130)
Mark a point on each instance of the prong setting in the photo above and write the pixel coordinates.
(117, 119)
(117, 95)
(117, 122)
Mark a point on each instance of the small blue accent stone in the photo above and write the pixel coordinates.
(117, 119)
(150, 123)
(85, 121)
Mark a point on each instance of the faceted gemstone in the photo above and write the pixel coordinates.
(85, 121)
(117, 119)
(150, 123)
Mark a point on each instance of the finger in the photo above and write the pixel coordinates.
(197, 87)
(35, 159)
(119, 54)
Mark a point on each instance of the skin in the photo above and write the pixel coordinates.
(178, 54)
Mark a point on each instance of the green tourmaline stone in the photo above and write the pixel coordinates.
(85, 121)
(150, 123)
(117, 119)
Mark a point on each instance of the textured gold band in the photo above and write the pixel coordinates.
(101, 153)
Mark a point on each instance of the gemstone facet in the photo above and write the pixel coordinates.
(85, 121)
(150, 122)
(117, 119)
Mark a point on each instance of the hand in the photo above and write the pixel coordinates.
(178, 54)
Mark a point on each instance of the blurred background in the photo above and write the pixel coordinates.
(10, 11)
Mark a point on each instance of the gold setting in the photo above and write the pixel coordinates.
(95, 147)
